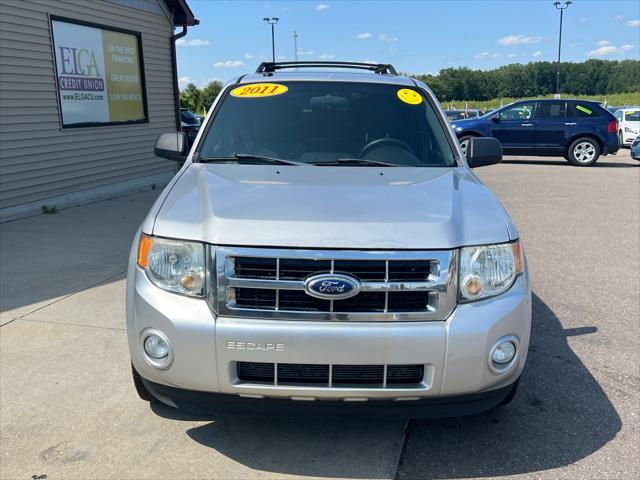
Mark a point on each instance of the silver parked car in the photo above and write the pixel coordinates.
(326, 246)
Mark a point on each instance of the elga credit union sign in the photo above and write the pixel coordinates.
(99, 74)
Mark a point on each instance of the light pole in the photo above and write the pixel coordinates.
(272, 21)
(562, 8)
(295, 45)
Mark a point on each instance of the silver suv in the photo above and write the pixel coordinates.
(327, 247)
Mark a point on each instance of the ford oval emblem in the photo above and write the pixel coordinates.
(329, 286)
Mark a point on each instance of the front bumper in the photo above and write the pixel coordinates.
(217, 405)
(454, 352)
(628, 138)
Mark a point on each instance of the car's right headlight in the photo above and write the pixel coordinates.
(174, 265)
(488, 270)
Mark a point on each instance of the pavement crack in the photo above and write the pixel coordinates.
(403, 449)
(69, 324)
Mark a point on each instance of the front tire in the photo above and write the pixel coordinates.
(512, 393)
(583, 152)
(142, 391)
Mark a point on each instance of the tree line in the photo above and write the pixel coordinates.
(592, 77)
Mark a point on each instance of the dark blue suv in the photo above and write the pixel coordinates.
(577, 130)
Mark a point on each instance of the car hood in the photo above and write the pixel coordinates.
(331, 207)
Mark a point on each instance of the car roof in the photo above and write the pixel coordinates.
(327, 76)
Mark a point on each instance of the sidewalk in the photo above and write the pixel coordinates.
(68, 408)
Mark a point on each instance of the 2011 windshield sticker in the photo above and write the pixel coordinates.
(258, 90)
(583, 109)
(409, 96)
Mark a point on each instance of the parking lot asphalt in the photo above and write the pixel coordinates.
(68, 408)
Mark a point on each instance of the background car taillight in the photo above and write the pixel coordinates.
(613, 126)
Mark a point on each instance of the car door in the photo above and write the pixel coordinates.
(552, 128)
(513, 126)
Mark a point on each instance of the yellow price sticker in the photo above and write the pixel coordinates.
(409, 96)
(257, 90)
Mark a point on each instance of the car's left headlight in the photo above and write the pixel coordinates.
(174, 265)
(488, 270)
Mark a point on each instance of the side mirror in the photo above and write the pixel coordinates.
(172, 146)
(495, 117)
(483, 151)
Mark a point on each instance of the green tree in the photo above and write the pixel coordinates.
(191, 97)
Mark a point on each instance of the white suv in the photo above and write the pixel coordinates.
(327, 247)
(628, 124)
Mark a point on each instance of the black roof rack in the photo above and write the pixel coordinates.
(266, 67)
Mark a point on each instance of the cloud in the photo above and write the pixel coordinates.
(196, 42)
(606, 48)
(518, 40)
(183, 81)
(633, 23)
(228, 64)
(248, 56)
(374, 62)
(387, 38)
(584, 19)
(305, 52)
(486, 55)
(326, 56)
(618, 17)
(282, 58)
(511, 55)
(362, 36)
(536, 54)
(322, 7)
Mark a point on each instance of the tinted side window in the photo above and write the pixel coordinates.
(584, 110)
(521, 111)
(551, 110)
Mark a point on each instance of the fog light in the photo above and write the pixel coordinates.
(156, 347)
(503, 354)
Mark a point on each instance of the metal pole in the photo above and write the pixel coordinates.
(559, 47)
(295, 45)
(562, 9)
(273, 43)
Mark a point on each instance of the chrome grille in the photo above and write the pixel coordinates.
(396, 285)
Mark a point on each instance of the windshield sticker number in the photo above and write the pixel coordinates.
(257, 90)
(409, 96)
(583, 109)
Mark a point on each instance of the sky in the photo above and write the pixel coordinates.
(415, 36)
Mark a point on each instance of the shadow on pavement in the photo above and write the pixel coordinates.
(559, 416)
(602, 163)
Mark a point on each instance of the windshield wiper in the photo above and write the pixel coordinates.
(240, 157)
(355, 161)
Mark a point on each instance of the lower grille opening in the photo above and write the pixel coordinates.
(256, 372)
(337, 375)
(358, 374)
(404, 374)
(302, 373)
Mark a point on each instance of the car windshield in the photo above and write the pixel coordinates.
(329, 123)
(632, 116)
